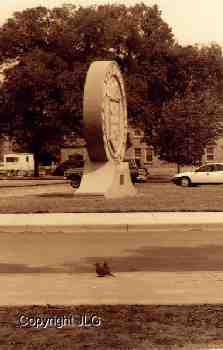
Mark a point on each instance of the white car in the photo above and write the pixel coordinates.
(206, 174)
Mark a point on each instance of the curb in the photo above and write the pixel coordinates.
(111, 221)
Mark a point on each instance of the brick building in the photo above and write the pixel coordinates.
(73, 146)
(138, 149)
(214, 152)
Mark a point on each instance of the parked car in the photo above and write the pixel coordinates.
(74, 175)
(211, 173)
(138, 174)
(71, 169)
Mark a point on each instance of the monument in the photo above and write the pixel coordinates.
(105, 131)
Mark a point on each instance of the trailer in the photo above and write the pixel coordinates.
(17, 164)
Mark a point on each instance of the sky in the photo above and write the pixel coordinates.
(192, 21)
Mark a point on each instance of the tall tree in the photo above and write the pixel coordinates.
(41, 98)
(189, 123)
(191, 116)
(42, 95)
(38, 102)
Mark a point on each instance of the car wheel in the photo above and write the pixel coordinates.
(75, 181)
(185, 182)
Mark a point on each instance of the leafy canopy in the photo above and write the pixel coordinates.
(173, 92)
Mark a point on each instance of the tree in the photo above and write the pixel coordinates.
(37, 102)
(189, 123)
(41, 98)
(191, 115)
(42, 95)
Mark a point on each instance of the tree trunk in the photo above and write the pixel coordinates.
(36, 164)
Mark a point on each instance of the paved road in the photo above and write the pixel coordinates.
(163, 265)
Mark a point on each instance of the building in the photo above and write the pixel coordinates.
(145, 156)
(137, 149)
(214, 152)
(72, 146)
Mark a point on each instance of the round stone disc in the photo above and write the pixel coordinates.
(105, 112)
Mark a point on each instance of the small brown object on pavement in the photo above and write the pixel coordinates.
(99, 270)
(103, 270)
(107, 270)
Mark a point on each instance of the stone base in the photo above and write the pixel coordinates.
(110, 180)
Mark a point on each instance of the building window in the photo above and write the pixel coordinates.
(27, 159)
(12, 159)
(137, 133)
(149, 154)
(76, 157)
(138, 153)
(210, 153)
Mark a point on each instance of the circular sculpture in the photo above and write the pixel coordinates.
(105, 112)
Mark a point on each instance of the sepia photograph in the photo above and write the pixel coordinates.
(111, 175)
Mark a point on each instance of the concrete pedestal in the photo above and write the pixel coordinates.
(110, 180)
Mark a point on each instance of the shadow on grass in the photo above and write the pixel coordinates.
(59, 194)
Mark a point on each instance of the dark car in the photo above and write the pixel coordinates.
(67, 164)
(71, 169)
(138, 174)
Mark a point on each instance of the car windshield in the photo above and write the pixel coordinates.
(205, 168)
(73, 163)
(218, 167)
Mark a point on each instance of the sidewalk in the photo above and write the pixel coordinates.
(111, 220)
(157, 258)
(147, 288)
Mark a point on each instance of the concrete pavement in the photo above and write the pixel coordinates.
(126, 288)
(103, 221)
(158, 264)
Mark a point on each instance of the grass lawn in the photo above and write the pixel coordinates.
(123, 327)
(150, 197)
